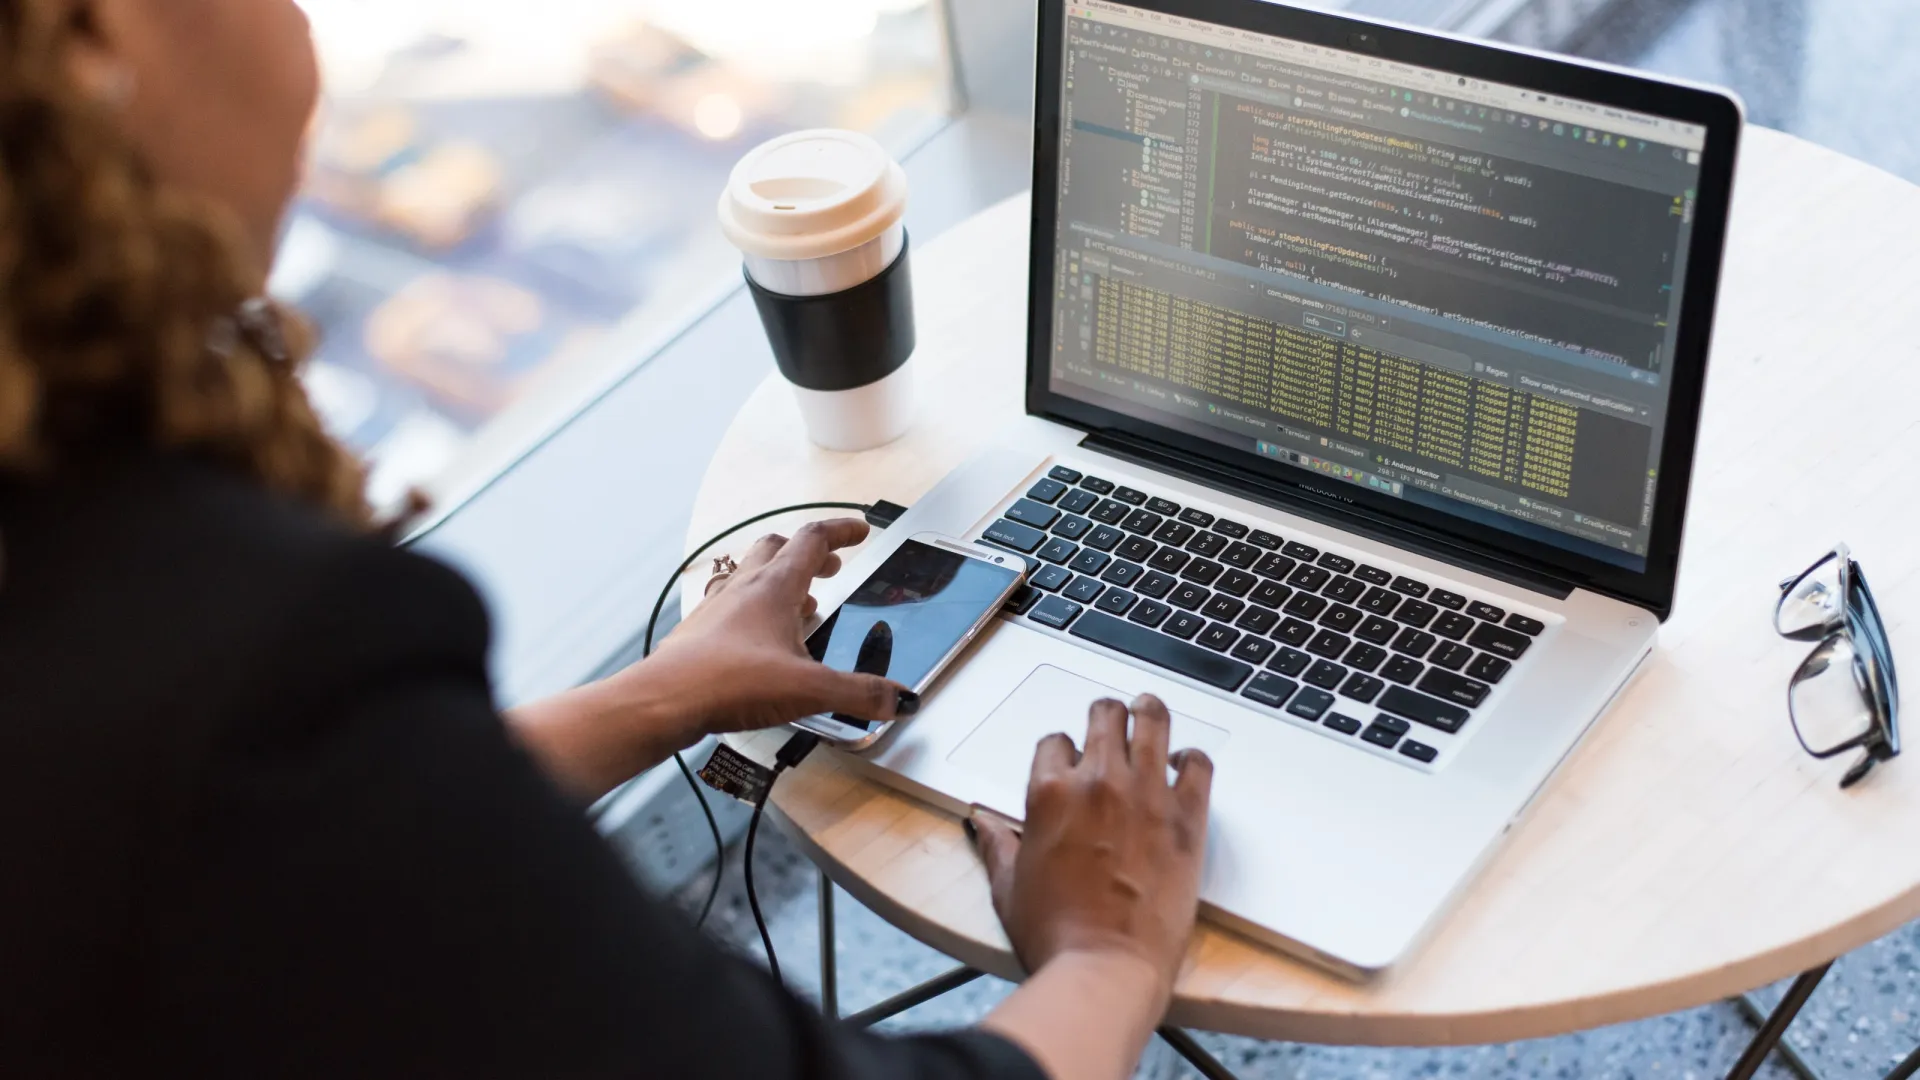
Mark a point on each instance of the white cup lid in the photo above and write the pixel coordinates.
(812, 194)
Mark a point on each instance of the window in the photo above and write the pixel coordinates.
(508, 205)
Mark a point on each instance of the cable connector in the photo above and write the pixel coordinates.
(882, 514)
(795, 751)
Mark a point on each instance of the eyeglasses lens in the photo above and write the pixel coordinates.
(1830, 700)
(1816, 600)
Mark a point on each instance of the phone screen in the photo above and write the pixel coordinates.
(914, 609)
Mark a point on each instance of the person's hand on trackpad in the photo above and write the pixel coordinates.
(1110, 855)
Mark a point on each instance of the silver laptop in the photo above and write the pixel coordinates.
(1364, 373)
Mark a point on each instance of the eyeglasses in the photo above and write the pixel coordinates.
(1844, 696)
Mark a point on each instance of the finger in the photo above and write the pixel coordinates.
(830, 567)
(763, 551)
(809, 607)
(806, 554)
(1152, 728)
(1054, 755)
(999, 848)
(1106, 736)
(869, 697)
(1193, 785)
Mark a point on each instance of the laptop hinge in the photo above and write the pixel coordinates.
(1352, 519)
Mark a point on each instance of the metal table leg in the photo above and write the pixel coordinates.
(919, 995)
(829, 962)
(1206, 1064)
(1770, 1032)
(1906, 1068)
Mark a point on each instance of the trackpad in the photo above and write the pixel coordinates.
(1050, 700)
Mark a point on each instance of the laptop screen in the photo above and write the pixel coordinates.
(1448, 291)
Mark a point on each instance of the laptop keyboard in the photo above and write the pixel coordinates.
(1322, 637)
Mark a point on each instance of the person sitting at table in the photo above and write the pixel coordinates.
(259, 815)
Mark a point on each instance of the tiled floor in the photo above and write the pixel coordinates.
(1842, 73)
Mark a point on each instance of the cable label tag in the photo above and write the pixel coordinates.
(732, 773)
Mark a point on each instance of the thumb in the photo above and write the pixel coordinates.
(869, 697)
(999, 847)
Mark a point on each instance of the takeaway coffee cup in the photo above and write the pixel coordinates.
(817, 216)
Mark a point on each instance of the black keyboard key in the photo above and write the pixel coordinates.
(1452, 601)
(1274, 565)
(1150, 613)
(1427, 710)
(1223, 608)
(1084, 589)
(1529, 627)
(1104, 537)
(1416, 613)
(1373, 575)
(1021, 601)
(1310, 703)
(1308, 577)
(1262, 539)
(1240, 554)
(1254, 650)
(1175, 533)
(1136, 549)
(1409, 586)
(1011, 534)
(1097, 485)
(1301, 551)
(1155, 648)
(1188, 596)
(1199, 519)
(1218, 637)
(1362, 688)
(1293, 632)
(1122, 573)
(1078, 501)
(1414, 643)
(1230, 528)
(1050, 578)
(1341, 617)
(1184, 625)
(1059, 550)
(1089, 562)
(1142, 523)
(1380, 602)
(1364, 656)
(1385, 731)
(1488, 669)
(1452, 625)
(1270, 594)
(1064, 474)
(1072, 528)
(1342, 723)
(1236, 582)
(1345, 589)
(1447, 686)
(1329, 644)
(1155, 584)
(1130, 496)
(1376, 629)
(1169, 560)
(1485, 611)
(1046, 490)
(1116, 601)
(1418, 751)
(1499, 641)
(1304, 605)
(1207, 544)
(1202, 571)
(1055, 612)
(1110, 512)
(1326, 675)
(1339, 564)
(1270, 689)
(1290, 662)
(1402, 669)
(1256, 620)
(1163, 507)
(1451, 655)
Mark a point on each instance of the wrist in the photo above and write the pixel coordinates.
(1127, 972)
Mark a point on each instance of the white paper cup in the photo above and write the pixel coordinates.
(817, 216)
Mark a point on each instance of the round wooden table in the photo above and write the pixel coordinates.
(1689, 850)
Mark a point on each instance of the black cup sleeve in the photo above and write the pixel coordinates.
(846, 339)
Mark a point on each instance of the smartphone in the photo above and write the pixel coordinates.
(909, 620)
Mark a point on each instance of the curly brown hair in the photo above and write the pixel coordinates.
(119, 301)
